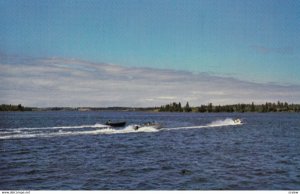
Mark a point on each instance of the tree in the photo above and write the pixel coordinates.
(210, 107)
(20, 107)
(202, 108)
(252, 109)
(179, 107)
(187, 107)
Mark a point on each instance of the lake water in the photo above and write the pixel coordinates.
(193, 151)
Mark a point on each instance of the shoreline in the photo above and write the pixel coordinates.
(172, 107)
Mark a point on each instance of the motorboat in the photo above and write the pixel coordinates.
(237, 121)
(149, 124)
(116, 124)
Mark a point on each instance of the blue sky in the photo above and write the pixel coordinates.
(255, 41)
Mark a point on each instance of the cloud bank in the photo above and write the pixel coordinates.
(47, 82)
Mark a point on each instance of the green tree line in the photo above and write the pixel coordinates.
(9, 107)
(267, 107)
(174, 107)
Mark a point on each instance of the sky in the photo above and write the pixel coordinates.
(148, 52)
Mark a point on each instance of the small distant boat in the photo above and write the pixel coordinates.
(154, 125)
(237, 121)
(116, 124)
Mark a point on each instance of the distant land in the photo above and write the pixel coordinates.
(173, 107)
(10, 107)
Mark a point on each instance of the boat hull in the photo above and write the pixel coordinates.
(116, 124)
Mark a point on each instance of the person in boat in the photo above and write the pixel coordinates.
(147, 124)
(237, 121)
(136, 127)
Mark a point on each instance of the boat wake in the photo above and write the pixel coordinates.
(18, 133)
(61, 127)
(217, 123)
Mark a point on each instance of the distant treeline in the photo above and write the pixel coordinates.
(267, 107)
(9, 107)
(173, 107)
(94, 109)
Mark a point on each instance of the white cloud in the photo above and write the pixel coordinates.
(70, 82)
(166, 97)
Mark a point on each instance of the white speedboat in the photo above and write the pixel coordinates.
(154, 125)
(237, 121)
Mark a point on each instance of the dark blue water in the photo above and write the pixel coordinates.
(72, 150)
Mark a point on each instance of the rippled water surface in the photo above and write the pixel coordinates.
(74, 150)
